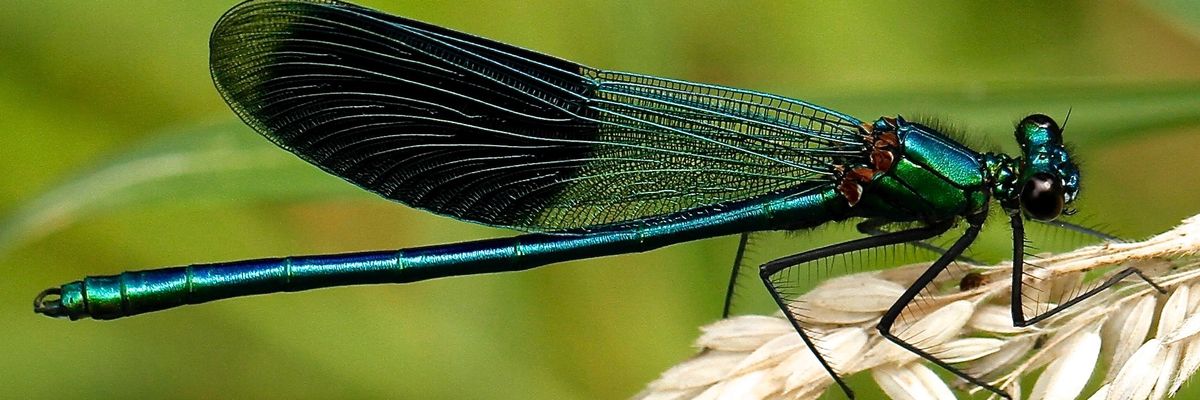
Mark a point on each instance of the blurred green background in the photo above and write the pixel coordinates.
(118, 154)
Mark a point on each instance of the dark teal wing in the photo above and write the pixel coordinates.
(487, 132)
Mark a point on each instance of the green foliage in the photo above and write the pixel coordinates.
(195, 167)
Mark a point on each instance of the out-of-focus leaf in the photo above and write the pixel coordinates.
(210, 163)
(1184, 13)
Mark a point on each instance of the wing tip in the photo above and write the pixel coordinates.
(234, 57)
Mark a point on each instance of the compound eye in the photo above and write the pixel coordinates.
(1041, 121)
(1042, 197)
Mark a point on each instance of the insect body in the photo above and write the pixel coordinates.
(589, 162)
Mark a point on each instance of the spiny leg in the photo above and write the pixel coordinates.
(733, 276)
(1093, 232)
(766, 271)
(889, 318)
(1020, 284)
(874, 227)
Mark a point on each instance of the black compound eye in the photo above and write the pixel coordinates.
(1041, 120)
(1042, 197)
(1038, 130)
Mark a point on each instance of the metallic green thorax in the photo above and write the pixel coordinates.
(933, 179)
(938, 178)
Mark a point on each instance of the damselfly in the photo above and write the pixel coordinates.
(590, 162)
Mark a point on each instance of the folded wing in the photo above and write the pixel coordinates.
(491, 133)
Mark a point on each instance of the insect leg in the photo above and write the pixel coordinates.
(1023, 284)
(1093, 232)
(770, 274)
(733, 276)
(875, 227)
(889, 318)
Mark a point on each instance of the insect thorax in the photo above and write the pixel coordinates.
(1003, 177)
(913, 172)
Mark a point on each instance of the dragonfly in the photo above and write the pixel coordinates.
(587, 162)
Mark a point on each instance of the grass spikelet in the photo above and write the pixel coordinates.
(1143, 344)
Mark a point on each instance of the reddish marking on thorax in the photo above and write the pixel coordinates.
(883, 155)
(883, 146)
